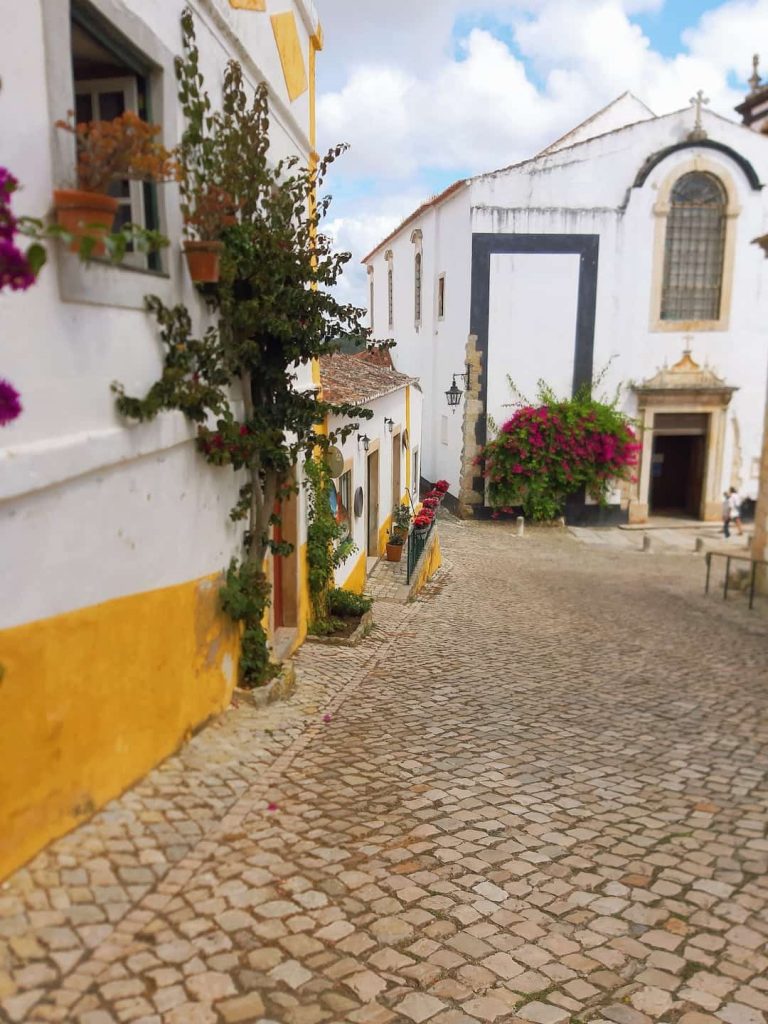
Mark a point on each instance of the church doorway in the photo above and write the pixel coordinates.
(678, 463)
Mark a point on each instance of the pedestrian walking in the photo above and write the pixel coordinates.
(726, 512)
(734, 501)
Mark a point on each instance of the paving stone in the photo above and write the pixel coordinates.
(244, 1008)
(419, 1007)
(738, 1013)
(543, 1013)
(568, 806)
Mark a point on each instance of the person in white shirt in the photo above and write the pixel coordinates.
(735, 502)
(726, 514)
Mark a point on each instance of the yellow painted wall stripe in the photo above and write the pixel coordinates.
(91, 700)
(291, 57)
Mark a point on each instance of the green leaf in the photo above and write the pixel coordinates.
(36, 257)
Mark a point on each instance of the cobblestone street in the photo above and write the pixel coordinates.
(539, 793)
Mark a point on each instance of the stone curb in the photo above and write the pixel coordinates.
(362, 631)
(279, 688)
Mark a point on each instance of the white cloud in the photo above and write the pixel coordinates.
(417, 104)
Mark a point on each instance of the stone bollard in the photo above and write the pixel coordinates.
(520, 527)
(646, 542)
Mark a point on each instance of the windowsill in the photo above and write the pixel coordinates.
(98, 282)
(689, 326)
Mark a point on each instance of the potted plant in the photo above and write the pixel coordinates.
(442, 486)
(422, 524)
(108, 151)
(395, 544)
(401, 520)
(207, 210)
(431, 503)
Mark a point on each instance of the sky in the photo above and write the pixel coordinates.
(429, 91)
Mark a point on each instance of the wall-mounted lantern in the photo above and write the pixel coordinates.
(389, 424)
(364, 440)
(454, 392)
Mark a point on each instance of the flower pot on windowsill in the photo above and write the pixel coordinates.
(84, 215)
(203, 260)
(394, 551)
(422, 531)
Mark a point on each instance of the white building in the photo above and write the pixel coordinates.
(622, 249)
(114, 535)
(381, 461)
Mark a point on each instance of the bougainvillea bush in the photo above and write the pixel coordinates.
(547, 451)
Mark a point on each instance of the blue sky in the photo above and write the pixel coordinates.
(429, 91)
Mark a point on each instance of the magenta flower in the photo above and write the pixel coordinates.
(10, 403)
(271, 806)
(327, 718)
(15, 271)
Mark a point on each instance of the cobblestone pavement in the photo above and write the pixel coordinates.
(537, 794)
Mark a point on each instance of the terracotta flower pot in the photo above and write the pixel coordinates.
(203, 261)
(394, 552)
(84, 215)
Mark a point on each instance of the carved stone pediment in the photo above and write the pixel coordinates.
(686, 380)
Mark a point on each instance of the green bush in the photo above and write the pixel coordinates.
(347, 604)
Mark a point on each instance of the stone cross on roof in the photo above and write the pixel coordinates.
(698, 101)
(754, 80)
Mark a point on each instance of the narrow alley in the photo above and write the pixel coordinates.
(538, 793)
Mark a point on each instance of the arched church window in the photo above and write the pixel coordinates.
(694, 249)
(417, 286)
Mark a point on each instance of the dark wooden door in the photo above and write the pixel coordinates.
(373, 504)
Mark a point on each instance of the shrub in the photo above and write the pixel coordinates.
(346, 604)
(546, 452)
(401, 517)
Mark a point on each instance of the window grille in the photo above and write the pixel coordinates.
(390, 298)
(417, 286)
(695, 244)
(441, 297)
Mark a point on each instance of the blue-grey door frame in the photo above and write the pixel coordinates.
(485, 245)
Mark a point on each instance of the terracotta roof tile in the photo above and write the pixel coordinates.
(347, 378)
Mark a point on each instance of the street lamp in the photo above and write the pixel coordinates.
(364, 440)
(454, 392)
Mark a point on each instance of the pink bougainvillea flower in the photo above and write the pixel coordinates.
(10, 402)
(327, 718)
(271, 806)
(15, 271)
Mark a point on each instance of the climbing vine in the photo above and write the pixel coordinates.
(274, 310)
(327, 545)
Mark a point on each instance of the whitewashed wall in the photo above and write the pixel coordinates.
(435, 351)
(582, 189)
(90, 507)
(392, 406)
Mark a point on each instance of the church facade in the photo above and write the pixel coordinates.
(619, 255)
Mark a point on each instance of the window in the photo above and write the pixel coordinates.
(345, 495)
(417, 239)
(415, 482)
(441, 297)
(109, 79)
(390, 297)
(694, 249)
(370, 302)
(417, 287)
